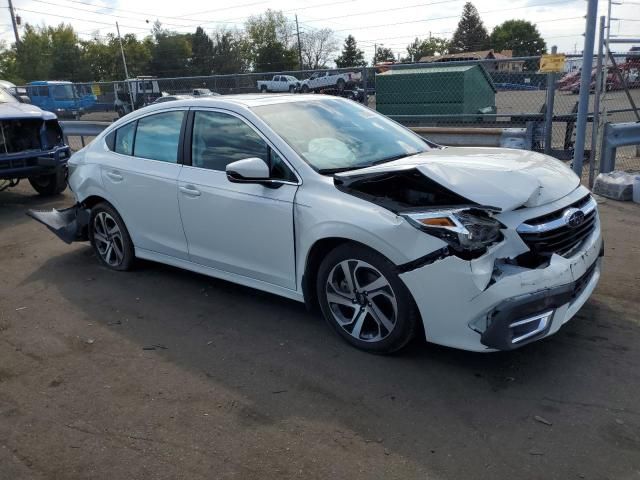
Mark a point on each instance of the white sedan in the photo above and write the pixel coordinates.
(327, 202)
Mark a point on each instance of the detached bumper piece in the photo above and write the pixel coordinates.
(529, 317)
(70, 224)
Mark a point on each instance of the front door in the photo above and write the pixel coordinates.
(241, 228)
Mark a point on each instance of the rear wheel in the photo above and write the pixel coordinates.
(364, 300)
(263, 89)
(110, 238)
(340, 84)
(50, 184)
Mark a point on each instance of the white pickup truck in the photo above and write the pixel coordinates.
(330, 79)
(279, 83)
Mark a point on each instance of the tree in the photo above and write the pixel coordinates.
(170, 53)
(520, 36)
(202, 53)
(383, 54)
(8, 67)
(33, 54)
(470, 35)
(229, 53)
(318, 46)
(351, 55)
(426, 48)
(271, 38)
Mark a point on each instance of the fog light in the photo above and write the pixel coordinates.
(530, 326)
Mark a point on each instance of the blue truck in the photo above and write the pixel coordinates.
(58, 97)
(32, 146)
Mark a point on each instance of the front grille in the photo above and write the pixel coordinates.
(550, 233)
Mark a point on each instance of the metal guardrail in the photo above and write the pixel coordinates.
(617, 135)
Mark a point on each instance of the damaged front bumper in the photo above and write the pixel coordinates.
(69, 224)
(34, 162)
(483, 305)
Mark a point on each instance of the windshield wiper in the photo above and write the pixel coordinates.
(328, 171)
(394, 157)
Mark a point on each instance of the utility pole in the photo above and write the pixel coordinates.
(375, 52)
(126, 72)
(299, 44)
(13, 21)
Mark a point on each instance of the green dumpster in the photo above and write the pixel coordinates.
(449, 90)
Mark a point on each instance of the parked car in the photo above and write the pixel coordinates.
(31, 147)
(170, 98)
(203, 92)
(279, 83)
(20, 93)
(324, 201)
(332, 79)
(58, 97)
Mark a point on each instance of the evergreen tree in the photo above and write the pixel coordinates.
(470, 35)
(351, 55)
(202, 53)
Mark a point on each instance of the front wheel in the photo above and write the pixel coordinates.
(110, 238)
(341, 84)
(292, 88)
(51, 184)
(305, 89)
(364, 300)
(263, 89)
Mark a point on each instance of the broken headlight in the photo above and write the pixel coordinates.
(466, 230)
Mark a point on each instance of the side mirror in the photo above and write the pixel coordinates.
(249, 170)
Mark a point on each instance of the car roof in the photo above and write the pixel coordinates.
(250, 100)
(50, 82)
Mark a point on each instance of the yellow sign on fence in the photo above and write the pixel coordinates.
(95, 89)
(552, 63)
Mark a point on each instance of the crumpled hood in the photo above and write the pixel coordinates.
(9, 111)
(497, 177)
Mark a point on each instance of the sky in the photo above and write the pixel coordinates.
(371, 22)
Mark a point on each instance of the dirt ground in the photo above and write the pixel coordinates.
(165, 374)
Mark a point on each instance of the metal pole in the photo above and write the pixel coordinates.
(596, 103)
(13, 21)
(585, 85)
(126, 72)
(363, 78)
(299, 44)
(548, 120)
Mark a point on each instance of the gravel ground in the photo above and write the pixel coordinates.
(165, 374)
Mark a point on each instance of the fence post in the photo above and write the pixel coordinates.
(365, 83)
(585, 85)
(551, 95)
(595, 124)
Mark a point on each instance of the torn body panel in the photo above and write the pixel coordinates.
(69, 224)
(475, 294)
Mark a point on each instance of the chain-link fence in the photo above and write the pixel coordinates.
(491, 94)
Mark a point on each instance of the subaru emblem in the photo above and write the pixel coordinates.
(574, 217)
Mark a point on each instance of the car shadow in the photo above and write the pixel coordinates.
(287, 363)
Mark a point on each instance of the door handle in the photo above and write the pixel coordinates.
(190, 190)
(115, 176)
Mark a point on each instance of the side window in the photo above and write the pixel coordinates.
(219, 139)
(44, 91)
(158, 136)
(279, 169)
(124, 139)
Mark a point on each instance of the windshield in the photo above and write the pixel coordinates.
(334, 135)
(63, 92)
(6, 97)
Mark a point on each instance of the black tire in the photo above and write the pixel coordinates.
(361, 258)
(123, 241)
(292, 89)
(305, 89)
(263, 89)
(51, 184)
(340, 84)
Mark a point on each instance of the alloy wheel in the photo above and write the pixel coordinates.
(361, 300)
(108, 239)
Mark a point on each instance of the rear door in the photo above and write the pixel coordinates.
(141, 176)
(240, 228)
